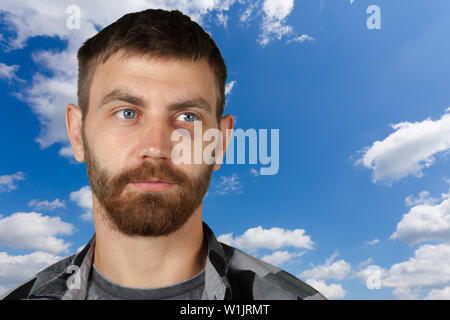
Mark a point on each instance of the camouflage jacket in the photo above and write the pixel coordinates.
(230, 274)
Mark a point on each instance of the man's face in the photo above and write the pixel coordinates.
(135, 104)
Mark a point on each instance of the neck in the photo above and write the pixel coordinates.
(148, 262)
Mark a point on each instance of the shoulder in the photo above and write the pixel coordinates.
(252, 277)
(19, 292)
(51, 282)
(23, 290)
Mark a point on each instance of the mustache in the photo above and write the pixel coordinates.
(160, 170)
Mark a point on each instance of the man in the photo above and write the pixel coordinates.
(140, 79)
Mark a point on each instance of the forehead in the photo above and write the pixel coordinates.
(154, 78)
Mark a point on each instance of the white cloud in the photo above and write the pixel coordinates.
(329, 270)
(370, 273)
(87, 216)
(229, 86)
(330, 291)
(46, 205)
(301, 39)
(246, 15)
(222, 19)
(407, 151)
(48, 97)
(372, 242)
(278, 10)
(439, 294)
(365, 263)
(425, 222)
(16, 269)
(406, 293)
(49, 18)
(35, 231)
(66, 152)
(428, 270)
(229, 184)
(8, 73)
(254, 172)
(273, 238)
(275, 13)
(423, 198)
(83, 198)
(277, 258)
(7, 182)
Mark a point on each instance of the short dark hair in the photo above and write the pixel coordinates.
(156, 32)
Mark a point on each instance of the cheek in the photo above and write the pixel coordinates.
(191, 170)
(111, 152)
(112, 146)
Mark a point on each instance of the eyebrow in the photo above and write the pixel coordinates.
(120, 95)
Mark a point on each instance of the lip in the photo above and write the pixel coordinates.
(152, 185)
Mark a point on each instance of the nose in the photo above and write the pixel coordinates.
(154, 140)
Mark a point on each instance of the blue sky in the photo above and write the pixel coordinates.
(362, 192)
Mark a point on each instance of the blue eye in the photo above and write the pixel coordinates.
(127, 114)
(188, 117)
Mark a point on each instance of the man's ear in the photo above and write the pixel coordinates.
(74, 127)
(226, 127)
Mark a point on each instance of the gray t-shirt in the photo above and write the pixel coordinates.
(100, 288)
